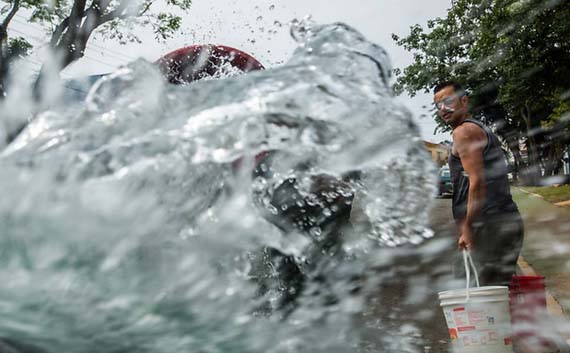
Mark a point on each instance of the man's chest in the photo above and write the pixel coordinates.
(454, 150)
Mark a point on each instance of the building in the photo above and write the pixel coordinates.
(439, 152)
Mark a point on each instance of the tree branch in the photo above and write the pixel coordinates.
(76, 16)
(117, 13)
(4, 61)
(58, 31)
(9, 17)
(146, 8)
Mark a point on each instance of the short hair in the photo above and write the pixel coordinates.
(458, 87)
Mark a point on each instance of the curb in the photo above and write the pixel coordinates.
(552, 305)
(562, 204)
(530, 193)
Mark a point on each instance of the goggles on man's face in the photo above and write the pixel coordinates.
(447, 101)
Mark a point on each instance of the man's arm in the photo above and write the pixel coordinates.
(470, 141)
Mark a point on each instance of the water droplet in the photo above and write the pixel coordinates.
(259, 18)
(272, 7)
(315, 232)
(277, 24)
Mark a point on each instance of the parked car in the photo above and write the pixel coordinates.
(444, 182)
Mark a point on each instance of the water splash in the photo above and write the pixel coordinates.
(134, 223)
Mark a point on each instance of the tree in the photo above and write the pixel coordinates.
(71, 23)
(514, 57)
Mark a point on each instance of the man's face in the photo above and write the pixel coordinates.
(451, 106)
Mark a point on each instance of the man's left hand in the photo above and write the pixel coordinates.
(465, 238)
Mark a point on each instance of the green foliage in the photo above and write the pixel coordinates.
(117, 19)
(71, 24)
(18, 47)
(183, 4)
(122, 31)
(513, 56)
(166, 25)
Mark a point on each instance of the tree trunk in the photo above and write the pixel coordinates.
(4, 56)
(532, 171)
(514, 147)
(2, 76)
(3, 62)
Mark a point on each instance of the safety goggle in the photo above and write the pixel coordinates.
(447, 101)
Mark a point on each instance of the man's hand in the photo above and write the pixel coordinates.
(465, 238)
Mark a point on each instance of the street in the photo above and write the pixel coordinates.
(405, 315)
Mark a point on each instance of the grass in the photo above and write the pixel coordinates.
(552, 194)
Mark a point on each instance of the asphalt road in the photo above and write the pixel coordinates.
(405, 315)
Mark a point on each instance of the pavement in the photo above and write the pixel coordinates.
(546, 252)
(405, 315)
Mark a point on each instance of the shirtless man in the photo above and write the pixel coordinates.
(488, 220)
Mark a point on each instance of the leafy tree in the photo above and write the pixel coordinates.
(514, 57)
(71, 23)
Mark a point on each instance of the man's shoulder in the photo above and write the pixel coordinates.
(469, 137)
(468, 132)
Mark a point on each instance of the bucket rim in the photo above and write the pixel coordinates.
(479, 300)
(477, 291)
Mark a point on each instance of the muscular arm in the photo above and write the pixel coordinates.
(470, 141)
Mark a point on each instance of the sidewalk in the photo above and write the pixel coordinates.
(546, 250)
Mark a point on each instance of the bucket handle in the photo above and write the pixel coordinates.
(469, 266)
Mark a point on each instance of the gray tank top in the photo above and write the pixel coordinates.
(498, 196)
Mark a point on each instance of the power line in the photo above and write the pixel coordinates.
(85, 56)
(26, 34)
(107, 51)
(112, 66)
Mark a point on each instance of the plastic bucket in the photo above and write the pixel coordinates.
(481, 324)
(528, 313)
(478, 319)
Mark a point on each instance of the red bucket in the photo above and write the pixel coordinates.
(195, 62)
(527, 296)
(527, 293)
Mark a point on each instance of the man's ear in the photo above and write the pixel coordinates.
(465, 100)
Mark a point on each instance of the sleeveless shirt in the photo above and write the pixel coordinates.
(498, 197)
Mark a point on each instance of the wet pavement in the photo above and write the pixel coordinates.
(405, 316)
(547, 251)
(406, 308)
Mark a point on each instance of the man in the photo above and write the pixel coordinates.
(488, 220)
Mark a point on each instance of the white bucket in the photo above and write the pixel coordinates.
(478, 319)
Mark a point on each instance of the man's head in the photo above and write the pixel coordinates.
(451, 102)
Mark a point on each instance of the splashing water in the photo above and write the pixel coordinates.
(134, 223)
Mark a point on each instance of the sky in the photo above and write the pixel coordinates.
(259, 27)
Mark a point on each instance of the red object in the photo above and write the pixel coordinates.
(194, 62)
(527, 296)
